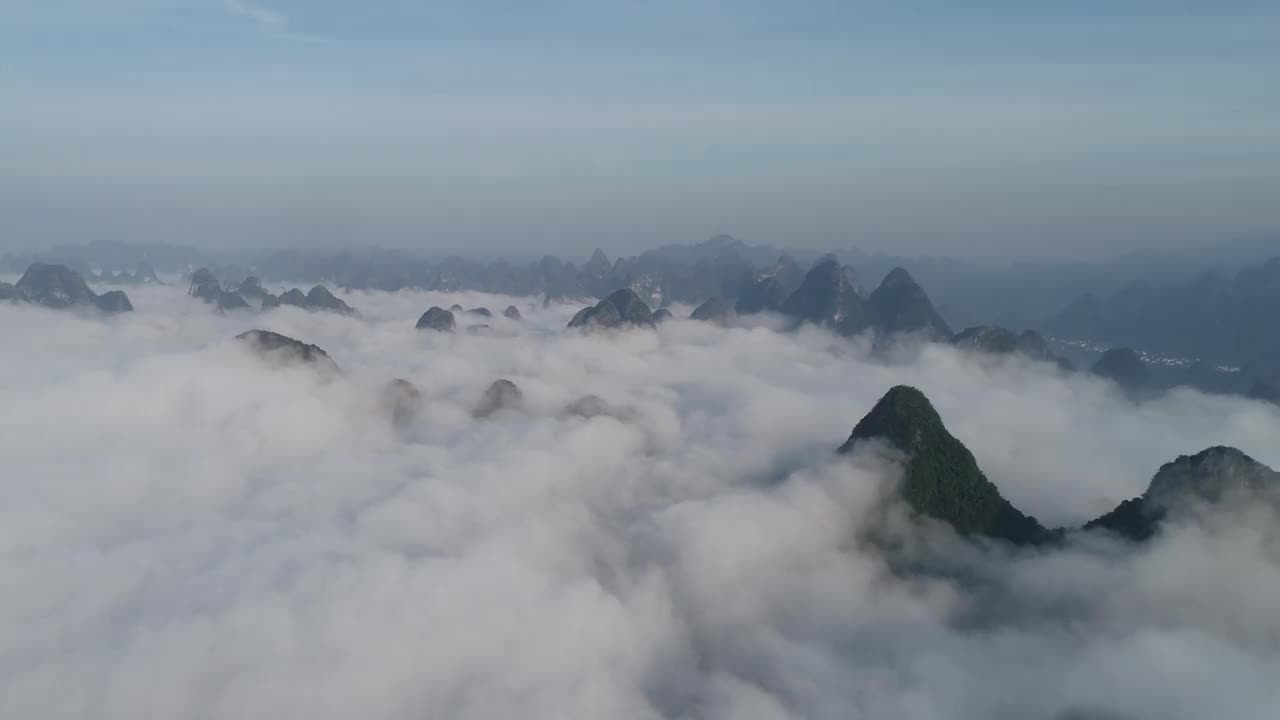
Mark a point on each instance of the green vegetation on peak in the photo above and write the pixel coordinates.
(1212, 476)
(941, 479)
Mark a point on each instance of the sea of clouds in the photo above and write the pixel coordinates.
(187, 531)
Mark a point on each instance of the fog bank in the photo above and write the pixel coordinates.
(187, 531)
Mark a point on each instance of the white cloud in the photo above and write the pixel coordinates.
(271, 22)
(259, 14)
(185, 532)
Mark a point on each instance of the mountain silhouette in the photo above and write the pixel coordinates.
(941, 479)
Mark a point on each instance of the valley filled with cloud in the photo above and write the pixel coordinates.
(659, 526)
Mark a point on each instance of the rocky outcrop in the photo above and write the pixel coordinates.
(436, 318)
(402, 400)
(1124, 367)
(318, 299)
(205, 286)
(143, 274)
(293, 297)
(512, 313)
(60, 287)
(591, 406)
(251, 288)
(716, 310)
(114, 301)
(231, 301)
(995, 340)
(55, 286)
(623, 308)
(598, 266)
(770, 289)
(767, 294)
(501, 395)
(284, 350)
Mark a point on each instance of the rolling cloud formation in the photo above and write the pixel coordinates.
(189, 532)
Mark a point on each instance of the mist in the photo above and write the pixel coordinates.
(188, 531)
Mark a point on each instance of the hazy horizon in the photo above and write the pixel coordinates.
(1230, 253)
(997, 130)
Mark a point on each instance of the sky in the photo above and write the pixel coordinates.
(193, 531)
(986, 128)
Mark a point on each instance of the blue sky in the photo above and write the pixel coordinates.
(990, 128)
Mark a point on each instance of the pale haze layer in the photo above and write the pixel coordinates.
(189, 531)
(994, 128)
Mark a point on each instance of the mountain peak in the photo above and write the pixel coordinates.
(1124, 367)
(251, 287)
(1211, 476)
(722, 240)
(436, 318)
(286, 350)
(904, 416)
(320, 298)
(204, 285)
(716, 310)
(54, 286)
(828, 298)
(501, 395)
(828, 264)
(599, 264)
(941, 479)
(898, 276)
(402, 401)
(59, 287)
(997, 340)
(901, 305)
(622, 307)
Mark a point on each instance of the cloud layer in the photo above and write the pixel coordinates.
(188, 532)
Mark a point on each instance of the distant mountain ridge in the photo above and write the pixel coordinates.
(722, 266)
(1212, 303)
(830, 297)
(1213, 315)
(59, 287)
(205, 286)
(827, 297)
(1002, 341)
